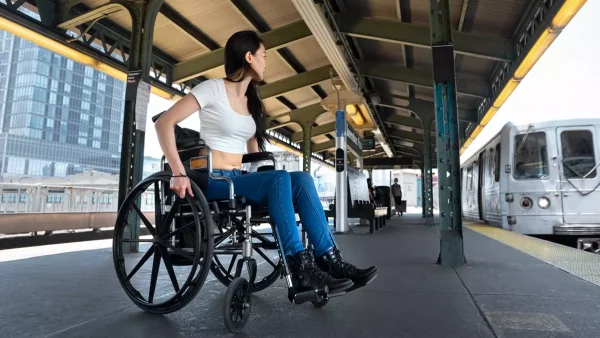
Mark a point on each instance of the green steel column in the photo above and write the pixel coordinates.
(307, 147)
(138, 65)
(427, 181)
(444, 77)
(423, 186)
(306, 117)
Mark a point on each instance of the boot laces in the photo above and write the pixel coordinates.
(308, 263)
(343, 264)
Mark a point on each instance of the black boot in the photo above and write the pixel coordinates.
(306, 274)
(333, 263)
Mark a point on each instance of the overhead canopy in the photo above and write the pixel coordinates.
(388, 40)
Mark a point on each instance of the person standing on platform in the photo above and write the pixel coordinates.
(397, 193)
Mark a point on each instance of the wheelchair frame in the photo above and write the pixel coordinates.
(237, 295)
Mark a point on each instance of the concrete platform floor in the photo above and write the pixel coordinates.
(501, 292)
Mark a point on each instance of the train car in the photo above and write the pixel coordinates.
(537, 179)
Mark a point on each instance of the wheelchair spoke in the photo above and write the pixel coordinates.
(140, 263)
(144, 219)
(179, 251)
(231, 265)
(224, 237)
(154, 276)
(157, 205)
(265, 257)
(137, 240)
(171, 234)
(169, 265)
(169, 218)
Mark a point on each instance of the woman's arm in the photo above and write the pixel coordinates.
(166, 137)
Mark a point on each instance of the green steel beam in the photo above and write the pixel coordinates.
(488, 47)
(423, 105)
(319, 147)
(409, 150)
(383, 71)
(388, 161)
(94, 14)
(273, 39)
(428, 166)
(316, 131)
(296, 113)
(305, 117)
(301, 80)
(402, 121)
(374, 154)
(408, 136)
(448, 144)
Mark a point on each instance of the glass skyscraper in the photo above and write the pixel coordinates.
(57, 117)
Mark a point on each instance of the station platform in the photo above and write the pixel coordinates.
(511, 286)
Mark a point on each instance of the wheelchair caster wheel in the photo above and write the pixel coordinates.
(320, 303)
(238, 304)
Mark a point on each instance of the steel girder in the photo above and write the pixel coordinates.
(493, 48)
(538, 18)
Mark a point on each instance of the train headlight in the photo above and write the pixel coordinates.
(526, 203)
(543, 202)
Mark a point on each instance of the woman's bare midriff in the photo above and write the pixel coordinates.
(223, 160)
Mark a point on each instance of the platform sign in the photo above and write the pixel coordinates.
(138, 91)
(354, 141)
(368, 142)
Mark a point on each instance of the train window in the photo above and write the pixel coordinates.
(578, 154)
(470, 177)
(497, 163)
(531, 158)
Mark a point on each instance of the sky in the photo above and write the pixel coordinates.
(562, 85)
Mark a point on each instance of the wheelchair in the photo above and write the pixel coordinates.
(188, 232)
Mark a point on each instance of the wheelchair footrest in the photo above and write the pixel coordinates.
(301, 297)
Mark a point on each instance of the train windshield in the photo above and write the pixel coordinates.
(531, 156)
(578, 154)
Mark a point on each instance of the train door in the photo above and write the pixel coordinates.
(579, 175)
(480, 182)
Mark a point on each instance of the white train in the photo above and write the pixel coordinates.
(537, 179)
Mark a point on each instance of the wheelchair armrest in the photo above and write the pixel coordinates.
(257, 157)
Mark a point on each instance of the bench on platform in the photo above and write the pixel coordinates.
(359, 205)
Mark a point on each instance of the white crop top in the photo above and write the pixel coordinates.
(221, 127)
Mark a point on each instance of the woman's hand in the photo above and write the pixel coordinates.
(180, 185)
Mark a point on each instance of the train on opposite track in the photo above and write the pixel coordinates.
(539, 179)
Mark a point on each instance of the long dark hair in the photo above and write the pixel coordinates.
(237, 68)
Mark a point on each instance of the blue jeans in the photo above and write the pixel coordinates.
(277, 190)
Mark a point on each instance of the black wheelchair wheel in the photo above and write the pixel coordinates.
(187, 245)
(228, 251)
(237, 305)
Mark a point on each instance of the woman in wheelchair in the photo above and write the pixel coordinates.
(232, 120)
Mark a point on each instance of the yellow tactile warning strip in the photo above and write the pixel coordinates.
(585, 265)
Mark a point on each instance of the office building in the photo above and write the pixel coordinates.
(57, 117)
